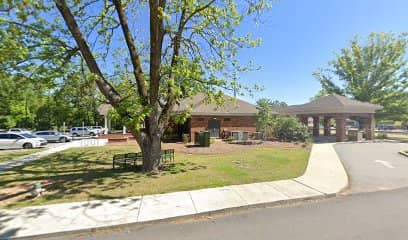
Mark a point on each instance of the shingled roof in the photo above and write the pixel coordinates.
(233, 107)
(332, 103)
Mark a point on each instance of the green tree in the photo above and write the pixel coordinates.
(165, 50)
(375, 70)
(266, 108)
(191, 47)
(290, 129)
(264, 117)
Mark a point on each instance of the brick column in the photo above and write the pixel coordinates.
(340, 128)
(316, 123)
(370, 127)
(326, 124)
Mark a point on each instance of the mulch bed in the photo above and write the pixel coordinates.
(219, 147)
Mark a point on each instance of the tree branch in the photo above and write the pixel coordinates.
(104, 86)
(156, 37)
(134, 56)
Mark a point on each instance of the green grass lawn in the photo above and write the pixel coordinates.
(398, 136)
(86, 173)
(6, 155)
(395, 136)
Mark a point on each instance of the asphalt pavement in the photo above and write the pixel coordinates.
(374, 166)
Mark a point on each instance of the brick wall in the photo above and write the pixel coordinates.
(232, 123)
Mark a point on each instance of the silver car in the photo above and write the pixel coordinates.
(82, 131)
(53, 136)
(99, 130)
(19, 130)
(24, 140)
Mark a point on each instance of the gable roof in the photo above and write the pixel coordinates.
(332, 103)
(197, 106)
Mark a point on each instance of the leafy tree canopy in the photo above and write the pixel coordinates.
(265, 114)
(164, 50)
(373, 70)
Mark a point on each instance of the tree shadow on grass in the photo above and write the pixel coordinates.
(86, 173)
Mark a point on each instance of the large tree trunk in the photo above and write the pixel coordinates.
(151, 148)
(149, 140)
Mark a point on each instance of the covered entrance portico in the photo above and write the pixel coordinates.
(367, 124)
(335, 107)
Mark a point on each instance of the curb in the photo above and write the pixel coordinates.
(403, 153)
(190, 217)
(345, 188)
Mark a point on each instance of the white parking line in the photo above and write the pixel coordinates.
(385, 163)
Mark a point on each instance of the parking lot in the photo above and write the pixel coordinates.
(374, 166)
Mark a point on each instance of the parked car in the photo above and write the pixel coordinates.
(385, 127)
(99, 129)
(53, 136)
(24, 140)
(3, 130)
(82, 131)
(19, 130)
(352, 124)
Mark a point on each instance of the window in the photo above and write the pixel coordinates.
(26, 135)
(3, 136)
(14, 136)
(227, 119)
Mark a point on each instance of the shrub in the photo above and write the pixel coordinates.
(382, 136)
(290, 129)
(269, 132)
(170, 138)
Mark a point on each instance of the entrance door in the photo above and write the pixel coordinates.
(214, 128)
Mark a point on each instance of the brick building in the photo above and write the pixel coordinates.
(234, 115)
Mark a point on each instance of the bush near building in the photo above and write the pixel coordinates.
(290, 129)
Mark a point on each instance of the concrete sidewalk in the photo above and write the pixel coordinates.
(47, 151)
(324, 176)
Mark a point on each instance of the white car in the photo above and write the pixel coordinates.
(99, 129)
(19, 130)
(82, 131)
(24, 140)
(53, 136)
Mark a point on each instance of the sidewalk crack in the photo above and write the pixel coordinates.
(140, 207)
(195, 209)
(309, 187)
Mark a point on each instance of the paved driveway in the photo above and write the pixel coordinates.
(374, 166)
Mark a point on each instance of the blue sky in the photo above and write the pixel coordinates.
(300, 36)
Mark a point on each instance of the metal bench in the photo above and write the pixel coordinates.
(134, 157)
(167, 156)
(120, 160)
(131, 159)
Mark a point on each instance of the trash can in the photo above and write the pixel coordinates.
(202, 138)
(355, 135)
(197, 137)
(205, 139)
